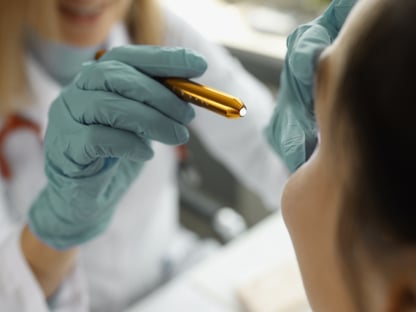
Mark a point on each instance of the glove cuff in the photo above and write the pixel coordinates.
(60, 232)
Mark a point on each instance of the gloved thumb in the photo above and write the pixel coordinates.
(308, 41)
(306, 51)
(158, 61)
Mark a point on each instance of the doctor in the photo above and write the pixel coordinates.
(89, 198)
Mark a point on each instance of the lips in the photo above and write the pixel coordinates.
(82, 13)
(81, 10)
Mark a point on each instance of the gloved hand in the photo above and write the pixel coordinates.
(99, 136)
(292, 131)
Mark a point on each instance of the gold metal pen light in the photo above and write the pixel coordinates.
(209, 98)
(203, 96)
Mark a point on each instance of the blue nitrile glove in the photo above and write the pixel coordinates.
(99, 134)
(292, 131)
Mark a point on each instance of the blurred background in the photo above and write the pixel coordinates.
(214, 204)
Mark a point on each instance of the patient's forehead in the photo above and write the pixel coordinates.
(335, 58)
(331, 69)
(361, 17)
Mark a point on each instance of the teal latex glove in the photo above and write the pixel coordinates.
(99, 136)
(292, 130)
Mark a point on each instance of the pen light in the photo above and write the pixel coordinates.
(200, 95)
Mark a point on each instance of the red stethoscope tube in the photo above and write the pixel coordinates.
(16, 122)
(11, 124)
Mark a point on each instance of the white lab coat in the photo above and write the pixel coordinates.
(118, 267)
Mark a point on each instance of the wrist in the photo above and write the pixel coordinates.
(49, 266)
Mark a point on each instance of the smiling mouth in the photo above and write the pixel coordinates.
(82, 13)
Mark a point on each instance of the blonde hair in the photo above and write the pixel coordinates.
(144, 23)
(12, 77)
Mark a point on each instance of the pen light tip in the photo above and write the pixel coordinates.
(243, 112)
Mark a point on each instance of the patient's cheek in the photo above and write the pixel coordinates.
(292, 200)
(305, 205)
(301, 195)
(287, 201)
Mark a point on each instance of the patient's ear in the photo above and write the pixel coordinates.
(402, 297)
(390, 281)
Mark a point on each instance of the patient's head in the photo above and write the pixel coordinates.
(351, 210)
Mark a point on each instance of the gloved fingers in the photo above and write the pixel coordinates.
(305, 51)
(341, 10)
(99, 141)
(289, 139)
(119, 78)
(308, 41)
(159, 61)
(111, 110)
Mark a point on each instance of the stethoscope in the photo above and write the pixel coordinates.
(12, 124)
(17, 122)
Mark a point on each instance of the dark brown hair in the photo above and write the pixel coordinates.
(377, 97)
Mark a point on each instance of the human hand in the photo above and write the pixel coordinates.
(99, 136)
(292, 130)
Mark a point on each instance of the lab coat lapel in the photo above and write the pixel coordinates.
(45, 89)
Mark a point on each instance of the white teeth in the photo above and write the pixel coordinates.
(84, 11)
